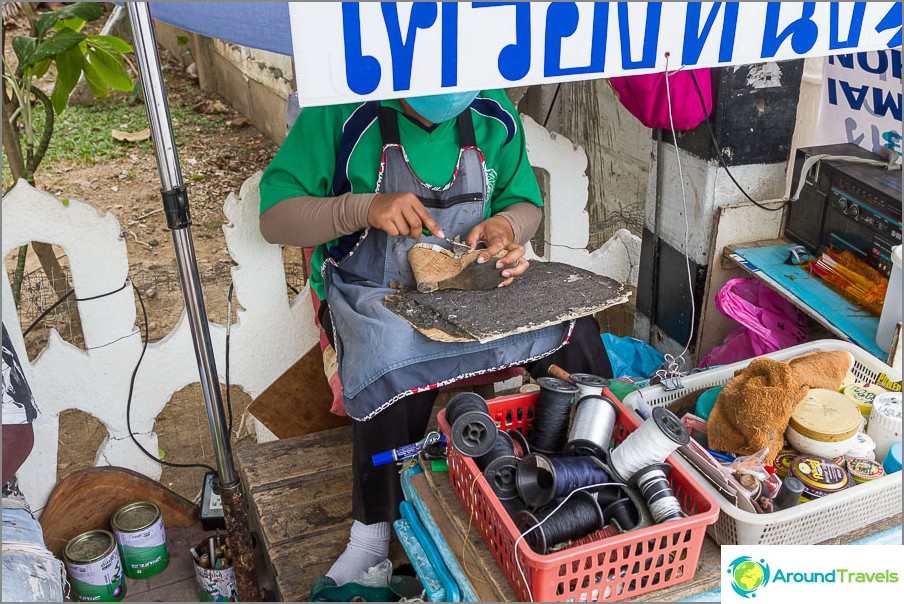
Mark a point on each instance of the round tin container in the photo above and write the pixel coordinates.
(825, 424)
(862, 469)
(863, 395)
(820, 476)
(94, 567)
(142, 540)
(783, 462)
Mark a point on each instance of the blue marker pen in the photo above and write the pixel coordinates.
(402, 452)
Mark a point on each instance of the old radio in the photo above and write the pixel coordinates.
(847, 205)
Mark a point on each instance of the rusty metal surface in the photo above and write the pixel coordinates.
(239, 529)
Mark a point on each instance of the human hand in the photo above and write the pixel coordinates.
(498, 234)
(401, 215)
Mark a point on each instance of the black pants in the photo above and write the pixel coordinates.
(377, 491)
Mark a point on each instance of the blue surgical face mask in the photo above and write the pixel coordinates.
(438, 108)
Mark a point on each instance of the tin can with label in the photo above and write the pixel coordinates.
(863, 469)
(94, 567)
(142, 540)
(820, 476)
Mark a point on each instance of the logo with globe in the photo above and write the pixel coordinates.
(748, 575)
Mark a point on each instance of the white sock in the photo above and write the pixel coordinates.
(368, 545)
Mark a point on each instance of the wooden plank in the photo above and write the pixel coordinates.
(299, 401)
(296, 564)
(283, 462)
(86, 500)
(471, 553)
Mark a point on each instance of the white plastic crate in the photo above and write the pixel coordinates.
(811, 522)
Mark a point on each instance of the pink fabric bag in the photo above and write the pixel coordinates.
(768, 322)
(645, 97)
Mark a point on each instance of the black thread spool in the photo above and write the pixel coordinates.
(540, 478)
(653, 484)
(473, 431)
(591, 427)
(549, 431)
(623, 513)
(499, 467)
(579, 516)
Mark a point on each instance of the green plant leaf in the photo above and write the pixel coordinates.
(75, 24)
(89, 11)
(24, 47)
(111, 67)
(41, 68)
(62, 41)
(95, 82)
(181, 40)
(45, 23)
(110, 43)
(69, 68)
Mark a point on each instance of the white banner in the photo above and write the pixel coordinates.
(350, 51)
(768, 574)
(861, 101)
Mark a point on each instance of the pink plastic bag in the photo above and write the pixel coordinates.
(768, 323)
(645, 97)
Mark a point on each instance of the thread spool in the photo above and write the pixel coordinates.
(577, 517)
(473, 431)
(653, 484)
(522, 448)
(790, 493)
(499, 466)
(591, 427)
(588, 384)
(658, 436)
(549, 431)
(540, 478)
(622, 513)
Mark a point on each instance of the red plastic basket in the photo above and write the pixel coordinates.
(607, 569)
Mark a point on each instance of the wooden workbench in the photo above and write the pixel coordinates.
(299, 491)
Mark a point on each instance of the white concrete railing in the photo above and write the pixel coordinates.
(270, 333)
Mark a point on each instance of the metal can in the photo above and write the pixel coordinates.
(863, 469)
(820, 476)
(94, 567)
(142, 540)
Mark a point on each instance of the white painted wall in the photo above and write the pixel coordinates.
(270, 333)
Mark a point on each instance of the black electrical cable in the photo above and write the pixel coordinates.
(63, 299)
(552, 104)
(718, 150)
(144, 348)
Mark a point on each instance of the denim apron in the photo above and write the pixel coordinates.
(381, 357)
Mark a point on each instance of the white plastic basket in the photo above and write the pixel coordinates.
(811, 522)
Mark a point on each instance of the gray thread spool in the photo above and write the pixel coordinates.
(656, 438)
(473, 431)
(591, 427)
(588, 384)
(653, 484)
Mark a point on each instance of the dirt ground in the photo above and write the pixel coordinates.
(218, 150)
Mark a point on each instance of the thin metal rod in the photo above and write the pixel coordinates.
(171, 178)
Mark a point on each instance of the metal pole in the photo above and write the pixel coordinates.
(175, 203)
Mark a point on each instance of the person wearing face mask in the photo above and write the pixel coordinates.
(361, 181)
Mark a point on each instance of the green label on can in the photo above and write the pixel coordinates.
(144, 552)
(100, 581)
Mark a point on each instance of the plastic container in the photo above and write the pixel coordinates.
(609, 568)
(813, 521)
(891, 309)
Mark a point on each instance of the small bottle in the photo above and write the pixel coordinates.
(789, 495)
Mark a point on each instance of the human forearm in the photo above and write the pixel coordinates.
(524, 218)
(306, 221)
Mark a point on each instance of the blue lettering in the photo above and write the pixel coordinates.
(561, 22)
(423, 16)
(846, 61)
(450, 44)
(803, 31)
(892, 141)
(853, 37)
(896, 64)
(695, 38)
(362, 72)
(514, 59)
(891, 20)
(863, 60)
(884, 101)
(854, 95)
(833, 91)
(650, 35)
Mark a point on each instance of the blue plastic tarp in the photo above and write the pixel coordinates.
(263, 25)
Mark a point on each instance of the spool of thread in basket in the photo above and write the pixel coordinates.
(588, 384)
(658, 436)
(653, 483)
(499, 466)
(472, 431)
(549, 431)
(541, 479)
(591, 427)
(577, 517)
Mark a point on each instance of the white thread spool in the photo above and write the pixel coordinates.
(884, 425)
(588, 384)
(655, 439)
